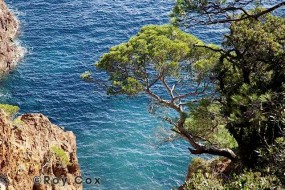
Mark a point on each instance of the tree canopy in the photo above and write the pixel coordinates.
(170, 66)
(157, 54)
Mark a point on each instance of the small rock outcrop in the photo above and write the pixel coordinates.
(31, 146)
(10, 51)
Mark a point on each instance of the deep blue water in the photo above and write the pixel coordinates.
(116, 136)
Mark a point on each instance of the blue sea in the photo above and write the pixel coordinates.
(118, 139)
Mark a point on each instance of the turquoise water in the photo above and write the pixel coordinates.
(116, 136)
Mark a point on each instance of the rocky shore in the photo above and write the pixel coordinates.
(10, 51)
(31, 146)
(33, 151)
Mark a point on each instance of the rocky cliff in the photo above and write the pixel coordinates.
(31, 146)
(34, 153)
(10, 51)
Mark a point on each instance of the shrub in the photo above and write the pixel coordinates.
(61, 155)
(244, 181)
(205, 175)
(254, 180)
(18, 122)
(203, 181)
(9, 109)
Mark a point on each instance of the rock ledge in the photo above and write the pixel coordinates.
(27, 150)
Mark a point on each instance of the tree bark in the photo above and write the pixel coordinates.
(198, 148)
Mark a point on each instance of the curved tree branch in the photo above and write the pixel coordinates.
(214, 12)
(247, 15)
(198, 148)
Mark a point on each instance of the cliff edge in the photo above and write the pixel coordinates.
(31, 146)
(34, 153)
(10, 51)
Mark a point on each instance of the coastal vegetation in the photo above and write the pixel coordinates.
(60, 155)
(227, 100)
(10, 110)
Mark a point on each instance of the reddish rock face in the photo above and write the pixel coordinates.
(10, 52)
(27, 150)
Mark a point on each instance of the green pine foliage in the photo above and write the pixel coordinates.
(153, 51)
(207, 124)
(251, 83)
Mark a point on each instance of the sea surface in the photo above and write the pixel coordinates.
(118, 139)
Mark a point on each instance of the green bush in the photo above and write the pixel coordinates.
(61, 155)
(18, 122)
(203, 181)
(274, 159)
(9, 109)
(253, 181)
(244, 181)
(205, 175)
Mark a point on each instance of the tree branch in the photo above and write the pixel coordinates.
(165, 102)
(247, 16)
(217, 13)
(198, 148)
(169, 90)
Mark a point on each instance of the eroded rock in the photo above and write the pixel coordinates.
(32, 146)
(10, 51)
